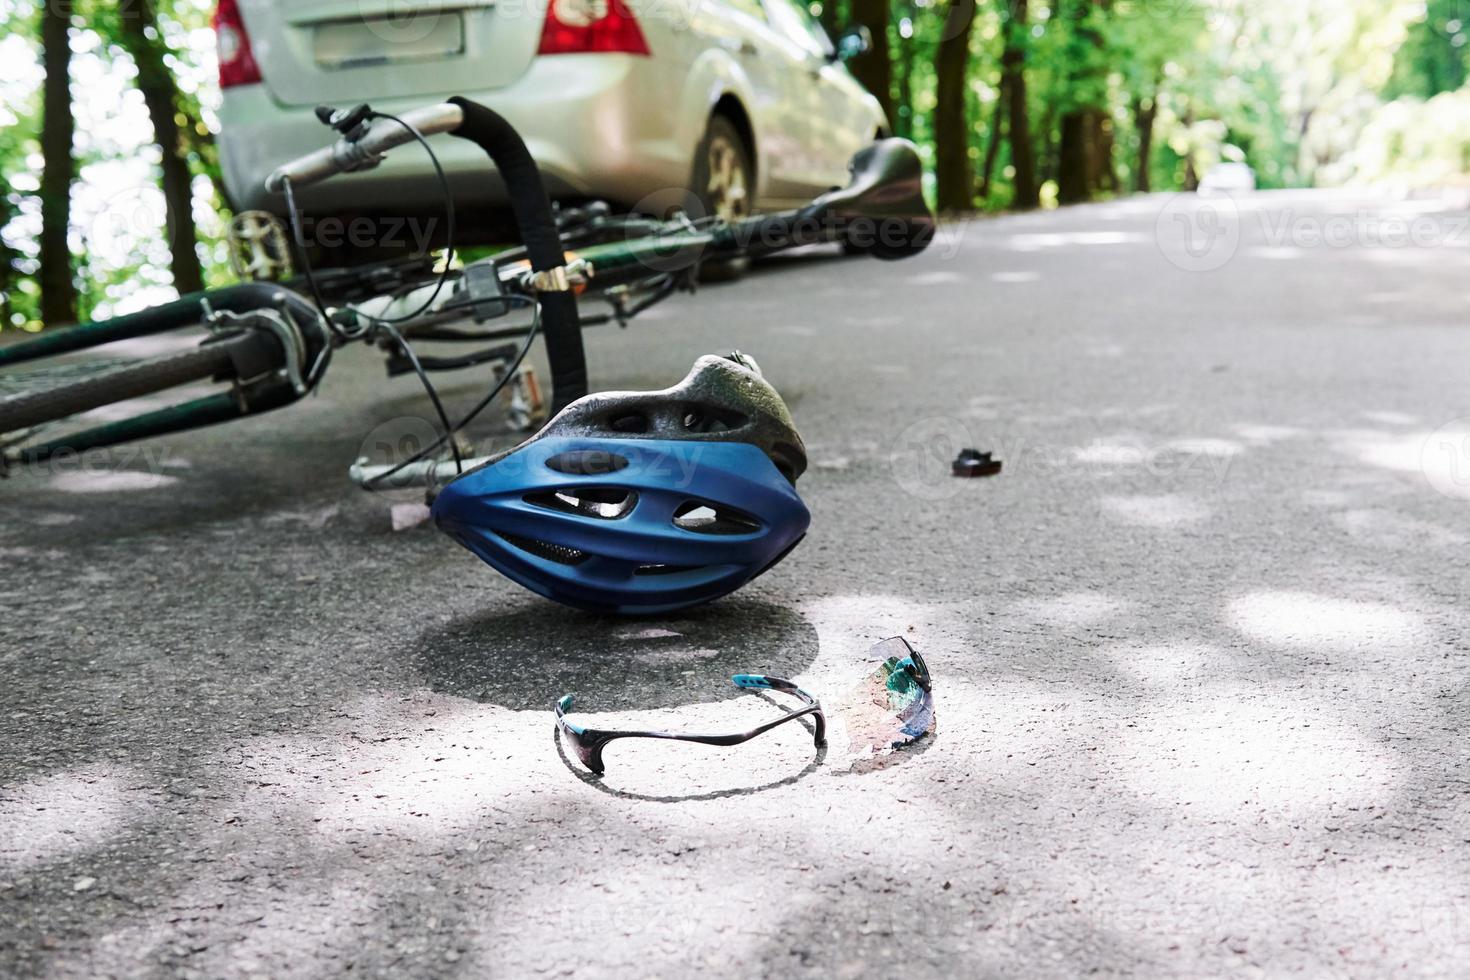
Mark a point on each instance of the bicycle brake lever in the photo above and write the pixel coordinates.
(351, 123)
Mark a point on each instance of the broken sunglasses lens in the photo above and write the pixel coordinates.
(894, 705)
(589, 742)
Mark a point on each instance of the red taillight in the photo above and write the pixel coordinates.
(236, 61)
(581, 26)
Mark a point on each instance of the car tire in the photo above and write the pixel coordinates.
(724, 185)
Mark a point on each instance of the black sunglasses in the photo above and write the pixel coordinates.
(589, 742)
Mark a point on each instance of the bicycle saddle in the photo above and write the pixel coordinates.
(884, 201)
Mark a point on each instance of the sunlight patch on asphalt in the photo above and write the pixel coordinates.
(1276, 253)
(1382, 528)
(1238, 749)
(267, 924)
(109, 481)
(645, 633)
(1121, 451)
(653, 906)
(1311, 621)
(1073, 609)
(1165, 663)
(411, 766)
(1390, 418)
(1266, 434)
(1015, 277)
(937, 278)
(62, 816)
(1036, 241)
(1326, 498)
(439, 772)
(1214, 448)
(1160, 511)
(673, 656)
(1441, 458)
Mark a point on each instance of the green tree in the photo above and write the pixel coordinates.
(1435, 55)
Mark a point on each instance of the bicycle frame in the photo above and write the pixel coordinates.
(274, 309)
(882, 210)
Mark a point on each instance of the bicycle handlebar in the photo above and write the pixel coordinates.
(347, 155)
(528, 200)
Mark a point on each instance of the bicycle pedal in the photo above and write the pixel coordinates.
(527, 404)
(259, 248)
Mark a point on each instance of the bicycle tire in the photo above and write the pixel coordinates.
(133, 381)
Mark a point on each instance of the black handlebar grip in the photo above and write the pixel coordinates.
(532, 208)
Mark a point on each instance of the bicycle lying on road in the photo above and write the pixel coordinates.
(268, 344)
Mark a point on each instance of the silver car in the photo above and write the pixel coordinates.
(745, 103)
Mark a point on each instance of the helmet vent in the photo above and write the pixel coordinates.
(707, 518)
(560, 554)
(635, 423)
(604, 503)
(587, 462)
(705, 419)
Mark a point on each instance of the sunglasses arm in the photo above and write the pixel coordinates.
(760, 682)
(591, 741)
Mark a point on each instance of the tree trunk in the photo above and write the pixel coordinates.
(161, 95)
(1046, 165)
(1144, 112)
(1013, 84)
(1191, 175)
(58, 128)
(1104, 174)
(1079, 157)
(992, 149)
(874, 69)
(1073, 159)
(953, 175)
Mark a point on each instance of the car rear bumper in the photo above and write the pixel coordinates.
(586, 120)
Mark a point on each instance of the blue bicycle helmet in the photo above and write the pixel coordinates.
(642, 502)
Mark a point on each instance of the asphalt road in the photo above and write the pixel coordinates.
(1200, 650)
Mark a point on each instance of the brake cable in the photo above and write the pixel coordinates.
(388, 325)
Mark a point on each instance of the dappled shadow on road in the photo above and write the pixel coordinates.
(528, 657)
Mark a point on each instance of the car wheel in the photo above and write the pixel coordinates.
(724, 183)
